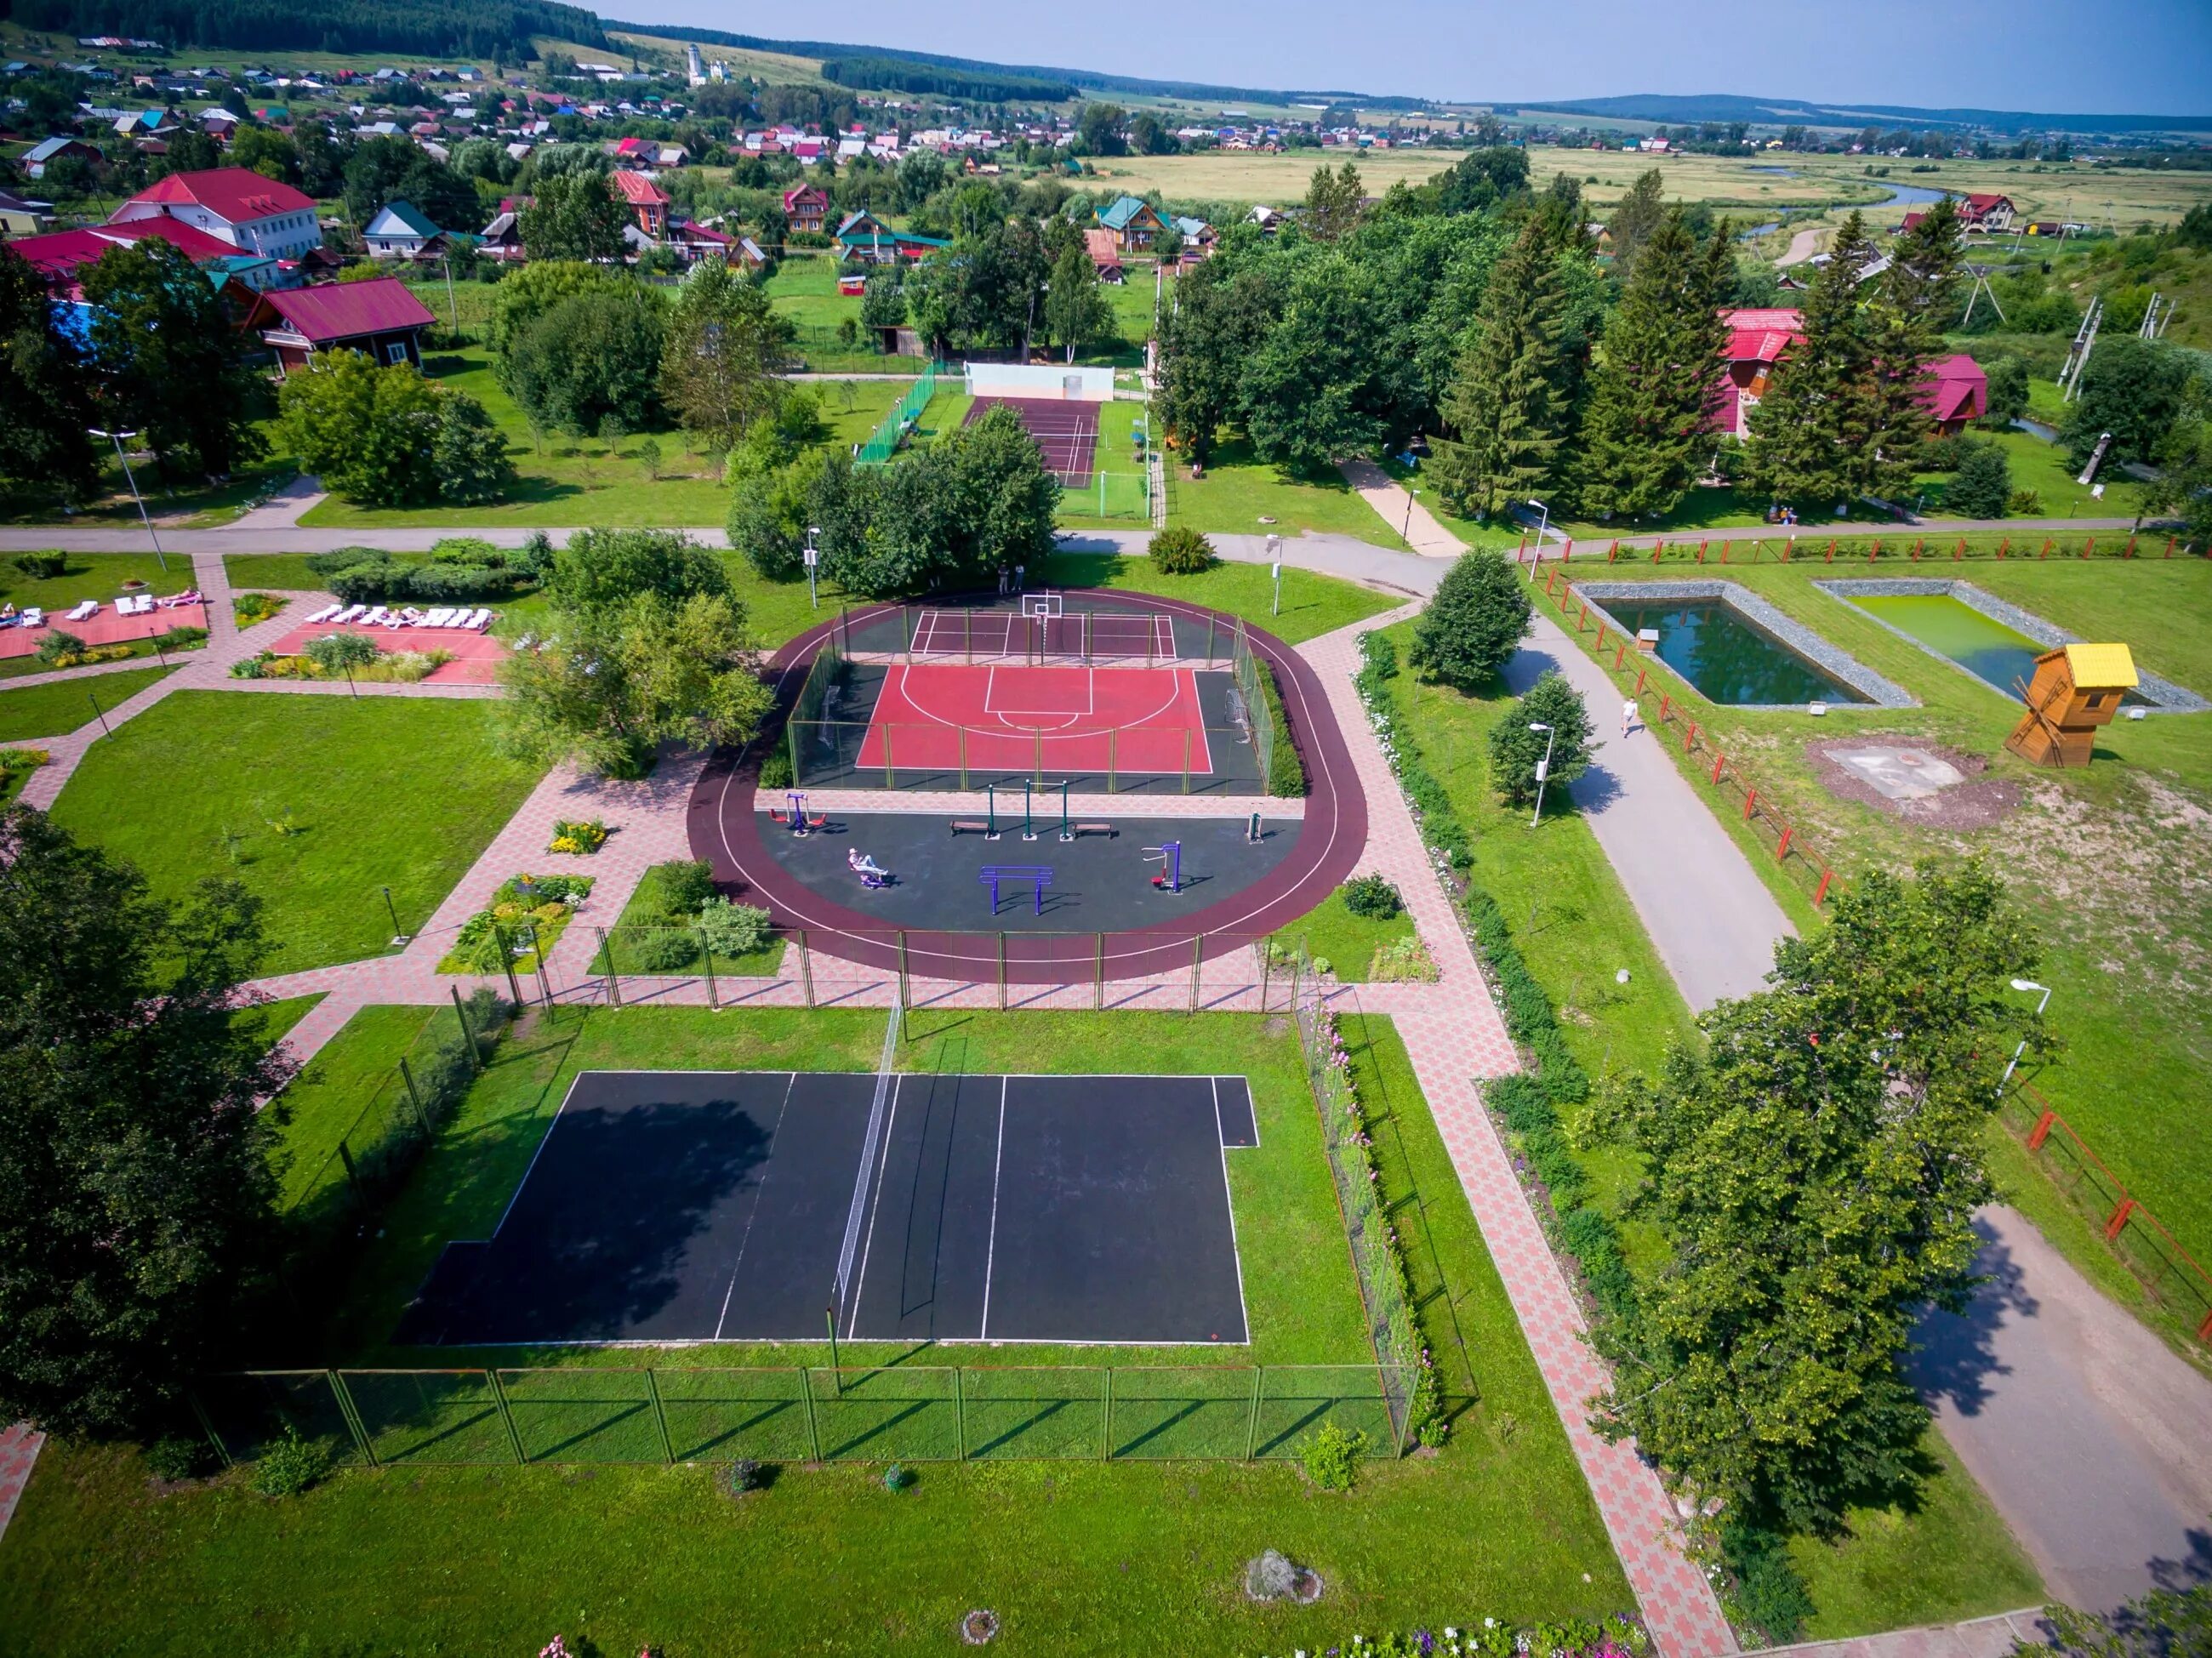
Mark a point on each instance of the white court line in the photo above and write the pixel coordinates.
(1090, 695)
(515, 1197)
(766, 1162)
(1229, 1200)
(991, 1250)
(875, 1205)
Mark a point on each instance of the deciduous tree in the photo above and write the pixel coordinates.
(1475, 621)
(719, 370)
(136, 1196)
(385, 436)
(46, 403)
(1075, 311)
(168, 361)
(590, 357)
(1516, 746)
(1333, 203)
(575, 217)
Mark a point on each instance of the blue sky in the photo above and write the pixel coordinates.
(2123, 56)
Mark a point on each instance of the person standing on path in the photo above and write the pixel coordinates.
(1628, 712)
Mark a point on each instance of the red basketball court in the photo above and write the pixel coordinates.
(1016, 719)
(476, 656)
(972, 635)
(1066, 431)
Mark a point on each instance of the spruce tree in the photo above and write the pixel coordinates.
(1918, 293)
(1505, 404)
(1812, 435)
(1645, 436)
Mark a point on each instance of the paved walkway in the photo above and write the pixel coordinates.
(1977, 1637)
(19, 1454)
(1396, 505)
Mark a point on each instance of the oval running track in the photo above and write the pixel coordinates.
(725, 831)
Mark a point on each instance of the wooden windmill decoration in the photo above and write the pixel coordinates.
(2076, 688)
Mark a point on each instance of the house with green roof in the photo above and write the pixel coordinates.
(400, 230)
(1134, 222)
(862, 235)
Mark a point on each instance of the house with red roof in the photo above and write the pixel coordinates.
(379, 319)
(1954, 388)
(233, 204)
(647, 200)
(56, 256)
(806, 208)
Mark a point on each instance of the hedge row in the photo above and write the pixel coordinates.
(1286, 773)
(1433, 810)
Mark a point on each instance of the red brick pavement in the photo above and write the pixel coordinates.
(19, 1450)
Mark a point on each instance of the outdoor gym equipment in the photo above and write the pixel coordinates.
(1169, 876)
(1039, 876)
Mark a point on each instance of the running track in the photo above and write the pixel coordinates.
(725, 829)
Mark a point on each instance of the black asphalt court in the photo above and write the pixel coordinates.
(684, 1205)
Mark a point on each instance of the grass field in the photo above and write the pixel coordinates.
(315, 802)
(313, 1112)
(484, 1558)
(1347, 942)
(1312, 604)
(1940, 1555)
(2106, 860)
(59, 707)
(1240, 494)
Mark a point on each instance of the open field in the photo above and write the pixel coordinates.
(59, 707)
(314, 802)
(2107, 861)
(1312, 604)
(1226, 175)
(1942, 1553)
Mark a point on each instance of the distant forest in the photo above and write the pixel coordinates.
(421, 29)
(983, 87)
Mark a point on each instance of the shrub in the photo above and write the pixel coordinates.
(1286, 773)
(249, 608)
(290, 1465)
(180, 1458)
(734, 929)
(1982, 487)
(42, 567)
(1330, 1456)
(1515, 750)
(55, 644)
(775, 768)
(1372, 897)
(660, 950)
(2025, 503)
(897, 1476)
(334, 653)
(1402, 960)
(1474, 622)
(685, 886)
(1767, 1587)
(744, 1475)
(1181, 551)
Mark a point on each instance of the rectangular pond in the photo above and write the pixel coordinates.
(1967, 627)
(1729, 658)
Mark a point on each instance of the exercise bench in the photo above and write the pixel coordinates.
(1106, 829)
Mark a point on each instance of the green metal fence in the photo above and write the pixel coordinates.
(899, 1413)
(883, 442)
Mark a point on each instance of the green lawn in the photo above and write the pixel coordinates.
(59, 707)
(1938, 1556)
(91, 575)
(199, 506)
(488, 1558)
(2042, 467)
(278, 1018)
(1332, 934)
(332, 1089)
(1239, 491)
(647, 909)
(2100, 857)
(1312, 604)
(384, 791)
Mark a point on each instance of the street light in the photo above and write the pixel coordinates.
(143, 517)
(1543, 767)
(398, 938)
(1542, 524)
(1405, 530)
(1275, 562)
(2023, 986)
(812, 559)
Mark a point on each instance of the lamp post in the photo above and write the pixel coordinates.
(813, 558)
(398, 938)
(1543, 767)
(116, 437)
(1542, 524)
(1275, 564)
(2023, 986)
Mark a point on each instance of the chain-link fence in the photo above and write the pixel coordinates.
(902, 1414)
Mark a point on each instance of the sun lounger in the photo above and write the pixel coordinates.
(325, 613)
(441, 617)
(481, 621)
(86, 610)
(33, 616)
(409, 618)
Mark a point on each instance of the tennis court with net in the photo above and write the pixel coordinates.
(695, 1205)
(1066, 431)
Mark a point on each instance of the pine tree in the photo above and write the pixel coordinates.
(1506, 403)
(1645, 434)
(1917, 295)
(1636, 219)
(1812, 435)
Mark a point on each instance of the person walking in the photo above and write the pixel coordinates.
(1628, 711)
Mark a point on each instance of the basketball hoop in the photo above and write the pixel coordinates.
(1044, 607)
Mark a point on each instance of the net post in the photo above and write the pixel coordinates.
(1036, 775)
(1185, 760)
(968, 641)
(613, 978)
(906, 632)
(1197, 963)
(207, 1427)
(1002, 971)
(962, 732)
(837, 1374)
(506, 961)
(959, 1415)
(506, 1417)
(468, 1037)
(1106, 1422)
(813, 1428)
(707, 955)
(890, 782)
(902, 983)
(805, 969)
(352, 1415)
(1252, 1431)
(660, 1416)
(1113, 775)
(791, 748)
(1098, 972)
(407, 1077)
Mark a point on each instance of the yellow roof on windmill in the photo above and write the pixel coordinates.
(2101, 667)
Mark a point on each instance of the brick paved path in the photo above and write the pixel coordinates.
(19, 1451)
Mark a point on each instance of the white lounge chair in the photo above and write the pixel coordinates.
(33, 616)
(442, 617)
(325, 613)
(480, 621)
(85, 611)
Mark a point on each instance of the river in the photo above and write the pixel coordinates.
(1909, 195)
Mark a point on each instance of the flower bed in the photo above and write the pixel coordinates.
(391, 667)
(519, 928)
(1621, 1636)
(580, 837)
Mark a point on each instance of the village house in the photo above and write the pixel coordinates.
(380, 319)
(1955, 389)
(254, 214)
(806, 208)
(1134, 221)
(645, 200)
(863, 236)
(400, 230)
(1105, 253)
